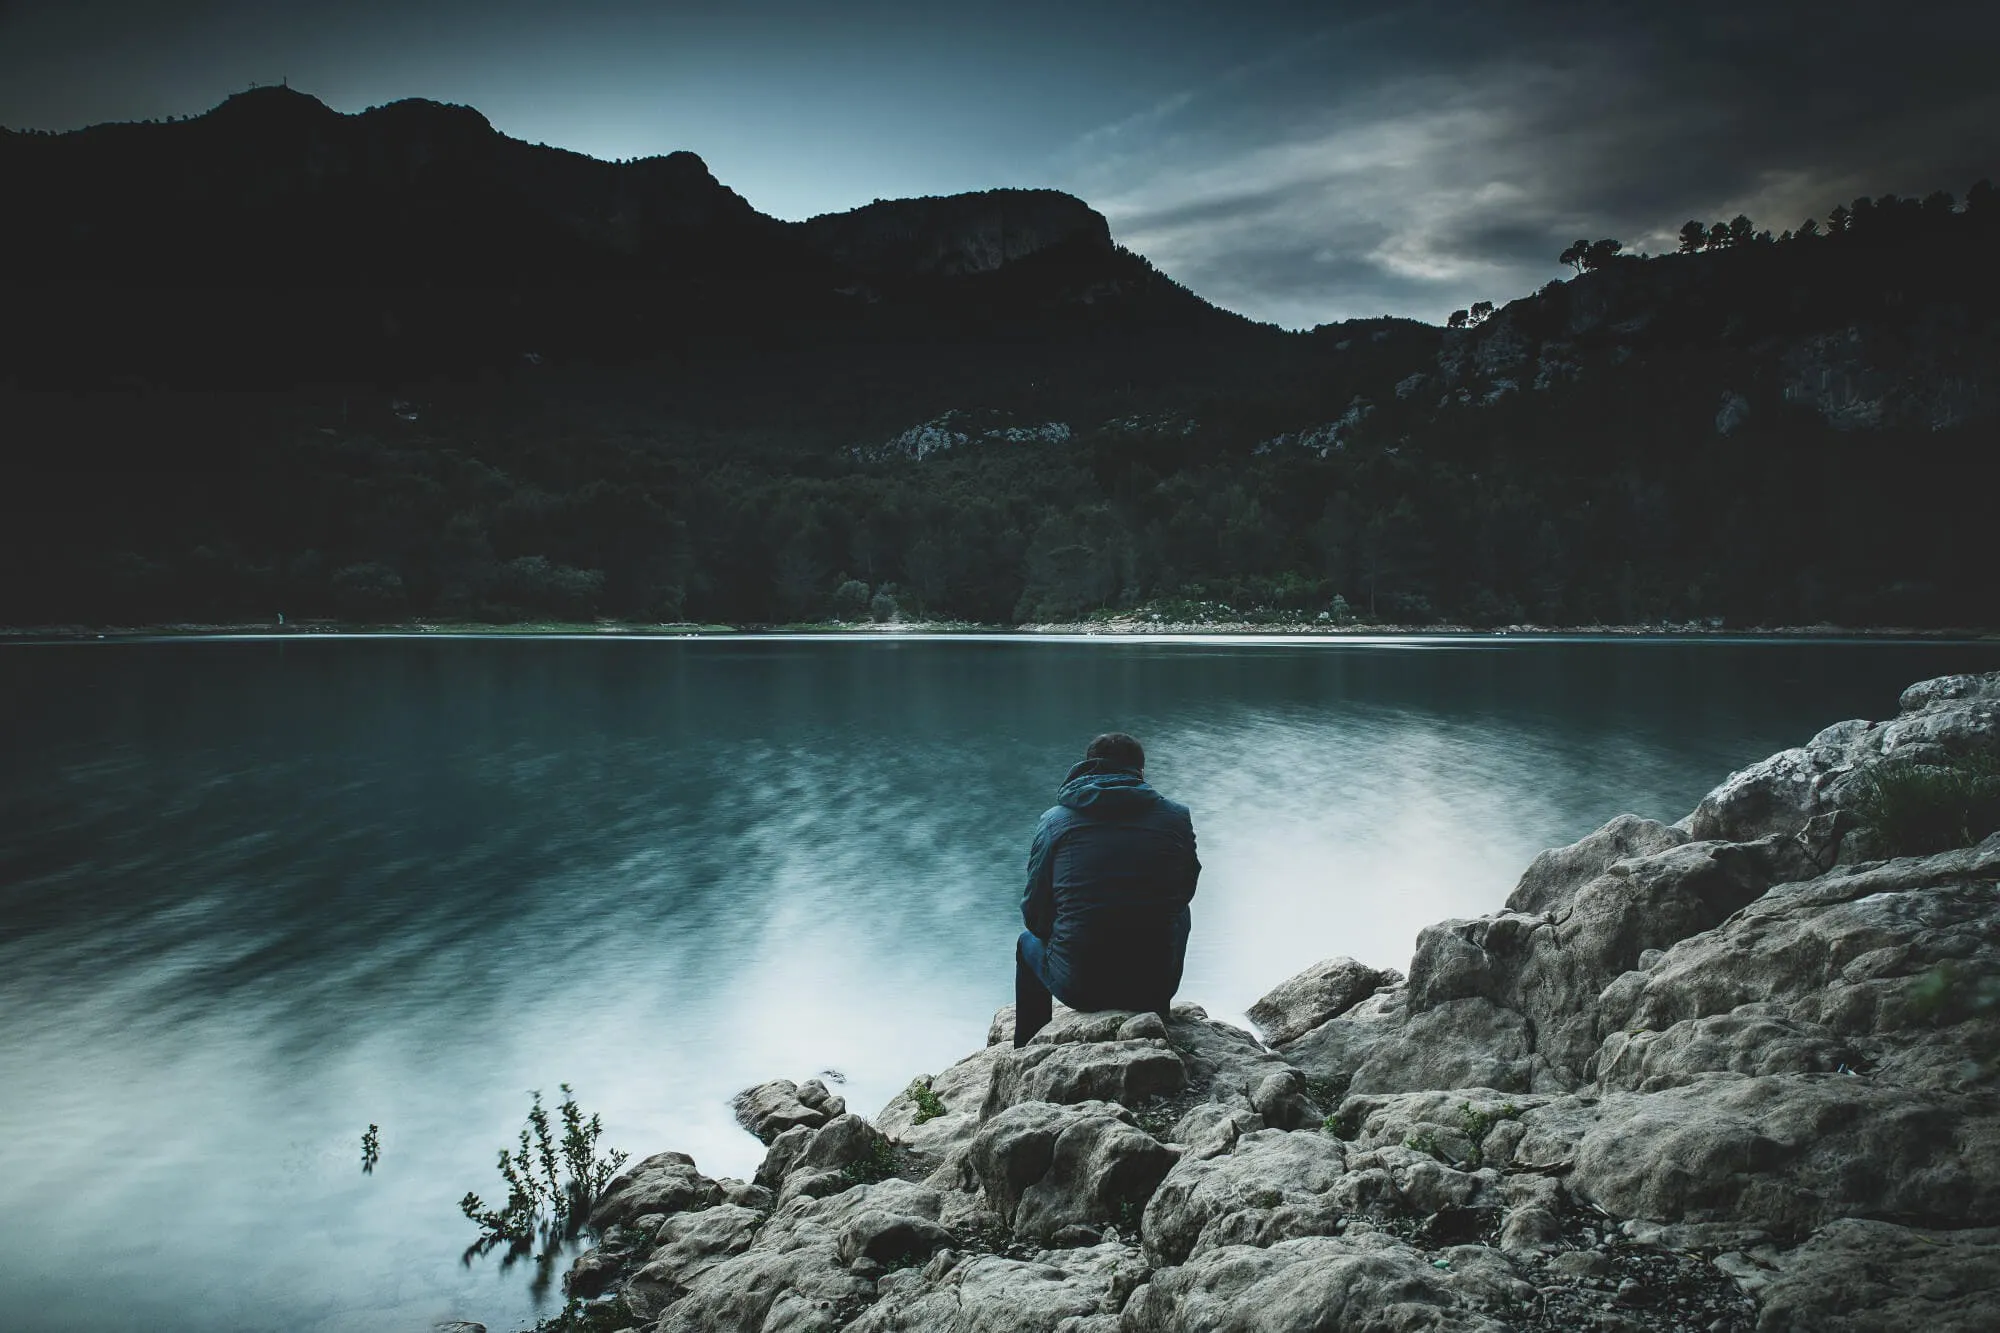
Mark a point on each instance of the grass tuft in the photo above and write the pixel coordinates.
(1916, 809)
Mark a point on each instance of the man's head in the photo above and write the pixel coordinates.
(1117, 750)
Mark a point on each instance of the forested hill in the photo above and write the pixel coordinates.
(278, 359)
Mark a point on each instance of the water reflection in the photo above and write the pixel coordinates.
(254, 897)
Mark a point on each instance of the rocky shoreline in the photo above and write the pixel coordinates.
(1733, 1073)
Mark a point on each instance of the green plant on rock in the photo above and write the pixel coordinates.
(1478, 1122)
(879, 1164)
(929, 1105)
(1344, 1123)
(552, 1184)
(1916, 808)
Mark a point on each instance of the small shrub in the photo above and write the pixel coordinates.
(371, 1149)
(551, 1186)
(929, 1105)
(1915, 809)
(1344, 1123)
(879, 1164)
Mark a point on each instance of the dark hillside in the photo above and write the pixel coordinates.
(278, 359)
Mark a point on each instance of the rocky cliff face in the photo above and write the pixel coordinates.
(1735, 1072)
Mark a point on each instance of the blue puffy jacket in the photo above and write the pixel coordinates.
(1110, 874)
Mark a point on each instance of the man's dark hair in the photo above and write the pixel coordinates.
(1118, 750)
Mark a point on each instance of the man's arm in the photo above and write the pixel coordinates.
(1038, 900)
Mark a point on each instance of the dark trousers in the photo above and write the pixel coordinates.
(1033, 1004)
(1034, 1000)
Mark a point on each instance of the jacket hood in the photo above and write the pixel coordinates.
(1098, 788)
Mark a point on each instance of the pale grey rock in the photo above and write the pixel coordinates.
(1363, 1282)
(1752, 1039)
(1274, 1185)
(1532, 1222)
(1213, 1128)
(1850, 961)
(1041, 1166)
(688, 1245)
(1127, 1072)
(1221, 1059)
(1552, 878)
(1325, 990)
(782, 1156)
(458, 1326)
(1465, 1043)
(664, 1183)
(1142, 1027)
(1783, 794)
(745, 1195)
(792, 1275)
(1068, 1291)
(769, 1109)
(1280, 1100)
(1334, 1050)
(1790, 1152)
(886, 1237)
(814, 1093)
(827, 1161)
(1860, 1276)
(1450, 1119)
(962, 1088)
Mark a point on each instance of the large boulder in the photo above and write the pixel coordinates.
(1074, 1291)
(1552, 878)
(961, 1090)
(1790, 1152)
(1862, 1276)
(793, 1275)
(1366, 1281)
(1325, 990)
(1128, 1072)
(686, 1246)
(664, 1183)
(1332, 1052)
(1874, 967)
(1468, 1043)
(769, 1109)
(1787, 793)
(1273, 1186)
(1043, 1167)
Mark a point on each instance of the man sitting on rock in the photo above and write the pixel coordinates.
(1110, 874)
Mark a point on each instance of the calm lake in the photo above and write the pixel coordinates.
(257, 895)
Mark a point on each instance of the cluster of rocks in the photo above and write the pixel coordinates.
(1728, 1074)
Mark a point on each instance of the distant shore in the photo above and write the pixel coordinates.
(1121, 626)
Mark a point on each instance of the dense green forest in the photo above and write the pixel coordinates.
(1758, 430)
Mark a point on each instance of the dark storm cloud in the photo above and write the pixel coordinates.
(1444, 152)
(1296, 160)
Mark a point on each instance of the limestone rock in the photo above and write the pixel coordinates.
(1332, 1052)
(1751, 1039)
(769, 1109)
(1552, 878)
(1043, 1166)
(962, 1088)
(1280, 1100)
(1790, 1152)
(1859, 959)
(1468, 1043)
(688, 1245)
(1127, 1072)
(1324, 990)
(886, 1237)
(1069, 1291)
(1274, 1185)
(1367, 1281)
(1858, 1276)
(664, 1183)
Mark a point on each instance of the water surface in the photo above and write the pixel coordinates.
(257, 895)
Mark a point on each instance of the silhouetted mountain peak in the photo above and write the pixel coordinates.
(955, 234)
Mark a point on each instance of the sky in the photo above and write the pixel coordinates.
(1297, 162)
